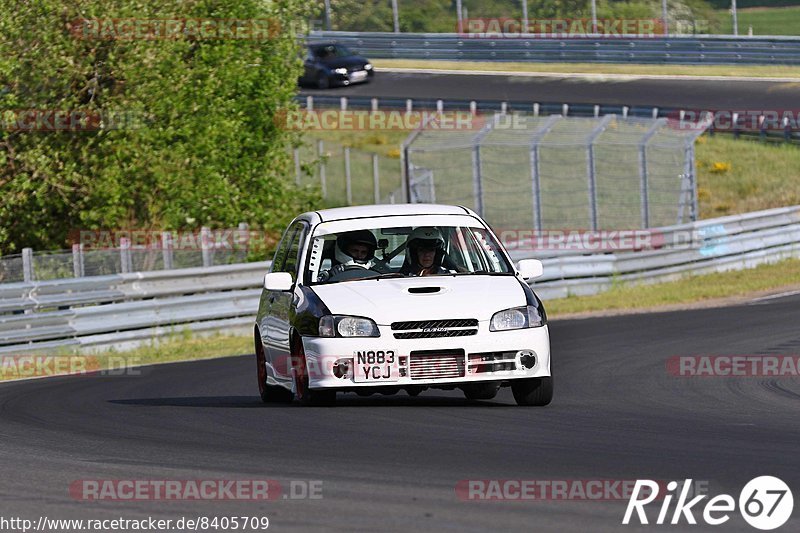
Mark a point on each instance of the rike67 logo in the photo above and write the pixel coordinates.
(765, 503)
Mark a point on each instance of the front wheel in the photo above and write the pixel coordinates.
(303, 393)
(268, 393)
(533, 391)
(481, 391)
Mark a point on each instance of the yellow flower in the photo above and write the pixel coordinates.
(720, 167)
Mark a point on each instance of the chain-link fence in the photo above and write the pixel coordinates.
(548, 172)
(110, 252)
(348, 176)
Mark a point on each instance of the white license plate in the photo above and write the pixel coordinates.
(373, 366)
(358, 75)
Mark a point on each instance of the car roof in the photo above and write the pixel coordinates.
(369, 211)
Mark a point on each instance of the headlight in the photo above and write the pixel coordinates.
(347, 326)
(516, 318)
(340, 71)
(368, 66)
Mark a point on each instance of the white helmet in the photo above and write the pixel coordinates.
(362, 236)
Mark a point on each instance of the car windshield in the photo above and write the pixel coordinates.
(404, 252)
(331, 51)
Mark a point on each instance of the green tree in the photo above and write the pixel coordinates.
(207, 149)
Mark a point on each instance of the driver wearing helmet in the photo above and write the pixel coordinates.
(354, 248)
(424, 253)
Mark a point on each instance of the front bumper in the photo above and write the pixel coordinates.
(487, 356)
(351, 77)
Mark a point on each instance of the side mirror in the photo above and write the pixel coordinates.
(530, 268)
(278, 281)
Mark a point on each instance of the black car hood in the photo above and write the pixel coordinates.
(346, 62)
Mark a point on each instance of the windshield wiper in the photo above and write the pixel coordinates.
(387, 275)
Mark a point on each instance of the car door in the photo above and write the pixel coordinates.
(281, 305)
(309, 67)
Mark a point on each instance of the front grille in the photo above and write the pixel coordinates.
(450, 323)
(432, 364)
(428, 329)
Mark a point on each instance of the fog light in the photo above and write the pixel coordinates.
(527, 358)
(341, 368)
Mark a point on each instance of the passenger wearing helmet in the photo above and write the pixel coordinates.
(424, 253)
(354, 248)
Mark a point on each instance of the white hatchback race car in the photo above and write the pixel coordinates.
(379, 299)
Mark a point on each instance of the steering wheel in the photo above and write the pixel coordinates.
(353, 272)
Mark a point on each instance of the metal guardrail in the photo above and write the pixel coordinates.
(567, 109)
(710, 50)
(120, 310)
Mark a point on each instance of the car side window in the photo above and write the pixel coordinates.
(293, 249)
(280, 253)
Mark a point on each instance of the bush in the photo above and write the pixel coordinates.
(206, 150)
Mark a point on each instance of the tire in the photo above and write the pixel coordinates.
(481, 391)
(323, 81)
(303, 394)
(533, 391)
(268, 393)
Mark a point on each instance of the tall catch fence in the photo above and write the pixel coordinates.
(555, 172)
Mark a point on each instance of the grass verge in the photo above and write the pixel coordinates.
(748, 71)
(179, 347)
(765, 21)
(685, 291)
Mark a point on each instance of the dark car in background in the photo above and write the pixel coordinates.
(329, 64)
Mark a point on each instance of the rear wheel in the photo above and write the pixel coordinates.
(268, 393)
(481, 391)
(533, 391)
(303, 393)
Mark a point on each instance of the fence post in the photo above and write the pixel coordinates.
(348, 184)
(535, 174)
(643, 174)
(27, 265)
(322, 183)
(77, 260)
(376, 179)
(205, 245)
(166, 250)
(126, 264)
(590, 170)
(296, 153)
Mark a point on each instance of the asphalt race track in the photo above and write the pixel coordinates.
(392, 463)
(693, 94)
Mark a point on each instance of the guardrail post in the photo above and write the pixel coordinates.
(166, 249)
(596, 111)
(296, 155)
(374, 104)
(322, 181)
(77, 260)
(536, 109)
(126, 264)
(27, 265)
(343, 103)
(205, 245)
(439, 106)
(565, 109)
(376, 179)
(348, 184)
(409, 105)
(504, 107)
(624, 111)
(309, 103)
(473, 107)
